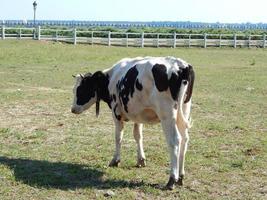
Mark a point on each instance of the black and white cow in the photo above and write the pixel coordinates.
(143, 90)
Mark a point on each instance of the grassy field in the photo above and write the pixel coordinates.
(48, 153)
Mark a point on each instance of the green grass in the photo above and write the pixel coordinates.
(48, 153)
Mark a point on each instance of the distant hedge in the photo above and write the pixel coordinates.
(181, 31)
(152, 30)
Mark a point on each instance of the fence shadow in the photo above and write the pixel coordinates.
(60, 175)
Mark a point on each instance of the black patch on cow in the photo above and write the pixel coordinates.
(86, 90)
(138, 85)
(176, 79)
(114, 98)
(191, 79)
(125, 86)
(174, 85)
(118, 117)
(162, 83)
(160, 75)
(102, 80)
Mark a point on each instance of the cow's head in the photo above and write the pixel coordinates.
(88, 90)
(84, 93)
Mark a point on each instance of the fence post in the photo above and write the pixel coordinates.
(109, 40)
(205, 40)
(234, 40)
(57, 35)
(174, 40)
(189, 41)
(126, 39)
(92, 42)
(74, 36)
(220, 41)
(158, 40)
(34, 33)
(3, 32)
(249, 38)
(39, 32)
(264, 40)
(20, 33)
(142, 39)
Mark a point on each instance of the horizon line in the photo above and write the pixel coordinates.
(132, 21)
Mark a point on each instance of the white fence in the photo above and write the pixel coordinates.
(135, 39)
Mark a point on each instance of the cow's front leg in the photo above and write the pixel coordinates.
(118, 139)
(138, 136)
(173, 140)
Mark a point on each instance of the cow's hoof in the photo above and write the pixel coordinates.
(114, 163)
(141, 162)
(171, 184)
(180, 180)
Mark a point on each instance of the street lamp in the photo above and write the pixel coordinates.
(34, 9)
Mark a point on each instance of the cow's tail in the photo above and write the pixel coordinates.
(191, 79)
(182, 92)
(185, 95)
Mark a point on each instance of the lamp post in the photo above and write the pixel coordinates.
(34, 10)
(34, 17)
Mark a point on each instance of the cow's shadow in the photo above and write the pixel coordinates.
(61, 175)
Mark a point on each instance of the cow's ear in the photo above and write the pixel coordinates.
(78, 76)
(88, 74)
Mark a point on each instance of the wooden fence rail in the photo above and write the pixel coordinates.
(135, 39)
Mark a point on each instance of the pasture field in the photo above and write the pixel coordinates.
(48, 153)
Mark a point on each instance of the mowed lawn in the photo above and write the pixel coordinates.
(48, 153)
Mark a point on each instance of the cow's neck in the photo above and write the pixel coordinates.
(102, 91)
(104, 96)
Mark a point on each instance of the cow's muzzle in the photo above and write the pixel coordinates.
(76, 110)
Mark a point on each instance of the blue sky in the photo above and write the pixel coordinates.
(138, 10)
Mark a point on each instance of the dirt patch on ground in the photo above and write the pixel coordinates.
(254, 151)
(25, 88)
(29, 116)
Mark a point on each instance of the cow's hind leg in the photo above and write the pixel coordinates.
(184, 142)
(183, 149)
(118, 139)
(138, 136)
(173, 138)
